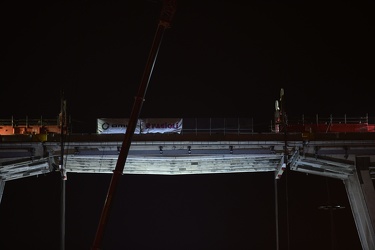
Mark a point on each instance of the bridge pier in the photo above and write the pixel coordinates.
(2, 185)
(361, 195)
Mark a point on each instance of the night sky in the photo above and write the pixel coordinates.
(218, 59)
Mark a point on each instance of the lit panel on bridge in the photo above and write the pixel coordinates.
(175, 165)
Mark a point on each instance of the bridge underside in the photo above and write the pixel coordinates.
(166, 158)
(351, 161)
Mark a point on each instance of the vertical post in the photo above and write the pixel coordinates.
(224, 127)
(62, 239)
(276, 215)
(210, 125)
(168, 11)
(252, 125)
(285, 158)
(62, 170)
(196, 126)
(2, 185)
(238, 126)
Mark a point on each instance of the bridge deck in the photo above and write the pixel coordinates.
(346, 156)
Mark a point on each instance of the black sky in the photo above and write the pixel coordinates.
(223, 211)
(219, 59)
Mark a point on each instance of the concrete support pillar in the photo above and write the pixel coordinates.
(361, 194)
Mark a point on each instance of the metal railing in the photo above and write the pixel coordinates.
(218, 125)
(15, 122)
(211, 125)
(330, 120)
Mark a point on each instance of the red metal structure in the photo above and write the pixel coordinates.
(30, 126)
(319, 125)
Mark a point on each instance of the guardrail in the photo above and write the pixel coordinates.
(330, 120)
(25, 125)
(218, 125)
(209, 125)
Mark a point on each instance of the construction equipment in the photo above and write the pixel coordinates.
(167, 13)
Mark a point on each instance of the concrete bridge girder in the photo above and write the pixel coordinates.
(331, 158)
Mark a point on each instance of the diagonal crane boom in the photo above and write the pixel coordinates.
(167, 13)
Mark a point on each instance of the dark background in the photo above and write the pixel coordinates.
(218, 59)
